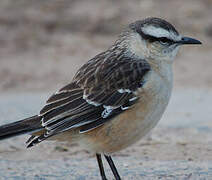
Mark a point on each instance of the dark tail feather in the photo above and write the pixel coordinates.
(24, 126)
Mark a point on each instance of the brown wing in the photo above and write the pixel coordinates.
(99, 91)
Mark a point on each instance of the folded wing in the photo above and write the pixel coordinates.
(100, 91)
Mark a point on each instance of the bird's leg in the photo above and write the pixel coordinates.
(101, 167)
(113, 167)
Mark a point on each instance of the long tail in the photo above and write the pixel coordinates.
(31, 124)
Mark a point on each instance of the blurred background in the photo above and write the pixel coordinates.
(44, 42)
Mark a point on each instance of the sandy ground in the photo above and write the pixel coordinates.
(43, 43)
(179, 147)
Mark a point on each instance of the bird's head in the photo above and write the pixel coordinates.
(155, 38)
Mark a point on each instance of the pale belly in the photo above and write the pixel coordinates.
(132, 125)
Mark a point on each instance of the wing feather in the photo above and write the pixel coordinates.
(101, 89)
(59, 96)
(60, 103)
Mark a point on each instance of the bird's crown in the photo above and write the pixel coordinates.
(155, 29)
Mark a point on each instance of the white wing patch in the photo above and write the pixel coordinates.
(133, 99)
(107, 111)
(124, 108)
(124, 91)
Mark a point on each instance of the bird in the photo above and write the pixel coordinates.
(115, 98)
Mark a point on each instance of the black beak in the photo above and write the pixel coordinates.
(188, 40)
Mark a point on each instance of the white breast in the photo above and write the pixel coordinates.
(155, 94)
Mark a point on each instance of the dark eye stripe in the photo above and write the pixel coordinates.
(153, 38)
(164, 39)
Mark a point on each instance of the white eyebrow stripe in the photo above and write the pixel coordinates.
(155, 31)
(160, 32)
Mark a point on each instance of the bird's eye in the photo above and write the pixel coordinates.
(164, 41)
